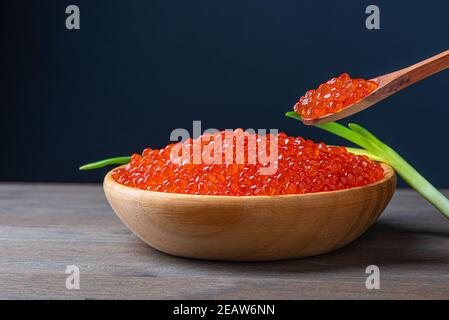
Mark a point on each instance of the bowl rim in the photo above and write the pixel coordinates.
(389, 174)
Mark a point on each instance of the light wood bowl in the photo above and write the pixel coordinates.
(250, 228)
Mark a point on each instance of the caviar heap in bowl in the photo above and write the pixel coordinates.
(317, 199)
(333, 96)
(297, 166)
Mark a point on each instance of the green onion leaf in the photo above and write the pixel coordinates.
(106, 162)
(363, 152)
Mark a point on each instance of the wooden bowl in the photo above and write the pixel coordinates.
(250, 228)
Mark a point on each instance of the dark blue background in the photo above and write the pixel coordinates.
(138, 69)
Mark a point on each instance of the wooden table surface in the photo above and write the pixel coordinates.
(45, 227)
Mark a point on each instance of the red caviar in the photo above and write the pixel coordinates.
(302, 166)
(334, 95)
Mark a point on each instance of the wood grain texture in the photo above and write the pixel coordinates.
(389, 84)
(255, 228)
(45, 227)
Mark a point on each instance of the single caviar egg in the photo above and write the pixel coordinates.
(232, 165)
(332, 96)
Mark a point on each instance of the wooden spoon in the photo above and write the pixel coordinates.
(390, 84)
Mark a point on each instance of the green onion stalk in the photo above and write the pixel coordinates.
(377, 150)
(106, 162)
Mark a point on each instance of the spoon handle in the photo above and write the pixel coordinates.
(419, 71)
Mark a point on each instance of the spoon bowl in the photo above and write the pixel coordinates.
(389, 84)
(250, 228)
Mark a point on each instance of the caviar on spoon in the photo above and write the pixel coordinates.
(341, 97)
